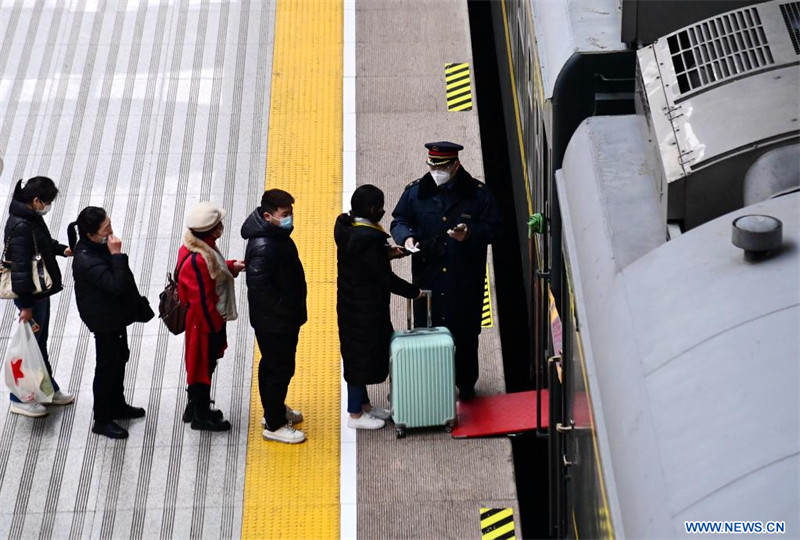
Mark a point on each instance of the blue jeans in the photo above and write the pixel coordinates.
(41, 314)
(357, 397)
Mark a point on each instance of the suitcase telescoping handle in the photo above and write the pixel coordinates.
(427, 295)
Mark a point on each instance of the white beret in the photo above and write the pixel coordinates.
(204, 216)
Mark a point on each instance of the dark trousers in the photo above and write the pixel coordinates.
(200, 394)
(275, 371)
(466, 342)
(109, 373)
(357, 397)
(41, 314)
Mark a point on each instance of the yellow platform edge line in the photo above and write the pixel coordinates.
(292, 491)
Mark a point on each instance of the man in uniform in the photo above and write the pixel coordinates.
(446, 219)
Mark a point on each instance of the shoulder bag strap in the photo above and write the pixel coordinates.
(180, 265)
(35, 245)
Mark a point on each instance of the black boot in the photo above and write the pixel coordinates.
(188, 412)
(110, 429)
(204, 418)
(128, 411)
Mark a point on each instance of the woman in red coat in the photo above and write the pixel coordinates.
(205, 285)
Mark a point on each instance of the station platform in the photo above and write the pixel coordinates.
(146, 108)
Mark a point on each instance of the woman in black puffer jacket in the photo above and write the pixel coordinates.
(365, 284)
(108, 301)
(25, 234)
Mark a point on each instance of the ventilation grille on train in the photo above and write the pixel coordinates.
(791, 16)
(719, 48)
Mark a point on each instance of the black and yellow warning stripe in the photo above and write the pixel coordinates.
(486, 314)
(497, 524)
(458, 87)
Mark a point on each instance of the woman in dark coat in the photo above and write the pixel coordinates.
(26, 233)
(365, 283)
(108, 301)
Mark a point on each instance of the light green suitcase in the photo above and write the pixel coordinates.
(423, 377)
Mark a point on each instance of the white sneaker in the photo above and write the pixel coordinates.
(286, 434)
(32, 409)
(379, 412)
(293, 416)
(62, 398)
(365, 421)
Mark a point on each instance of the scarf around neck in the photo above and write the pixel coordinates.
(218, 270)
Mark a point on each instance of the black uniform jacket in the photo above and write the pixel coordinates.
(22, 227)
(105, 290)
(276, 282)
(364, 285)
(454, 271)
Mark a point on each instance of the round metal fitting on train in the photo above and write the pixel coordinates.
(756, 234)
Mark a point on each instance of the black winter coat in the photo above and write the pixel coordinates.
(364, 285)
(276, 282)
(22, 226)
(454, 271)
(105, 291)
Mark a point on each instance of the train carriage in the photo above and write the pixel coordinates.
(662, 409)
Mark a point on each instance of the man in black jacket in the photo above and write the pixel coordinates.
(446, 219)
(276, 290)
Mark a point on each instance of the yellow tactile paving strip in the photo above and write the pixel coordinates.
(292, 491)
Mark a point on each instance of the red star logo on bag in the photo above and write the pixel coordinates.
(16, 369)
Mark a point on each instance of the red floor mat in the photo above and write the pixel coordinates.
(499, 415)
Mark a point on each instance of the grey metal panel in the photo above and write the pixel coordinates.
(691, 360)
(695, 127)
(702, 269)
(776, 172)
(727, 409)
(606, 150)
(577, 27)
(733, 118)
(607, 154)
(743, 497)
(644, 21)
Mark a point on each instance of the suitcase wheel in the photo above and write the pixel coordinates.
(448, 426)
(401, 432)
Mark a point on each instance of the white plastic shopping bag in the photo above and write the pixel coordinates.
(26, 374)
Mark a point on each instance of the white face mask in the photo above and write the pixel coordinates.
(440, 176)
(44, 210)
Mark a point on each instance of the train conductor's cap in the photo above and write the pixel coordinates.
(442, 152)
